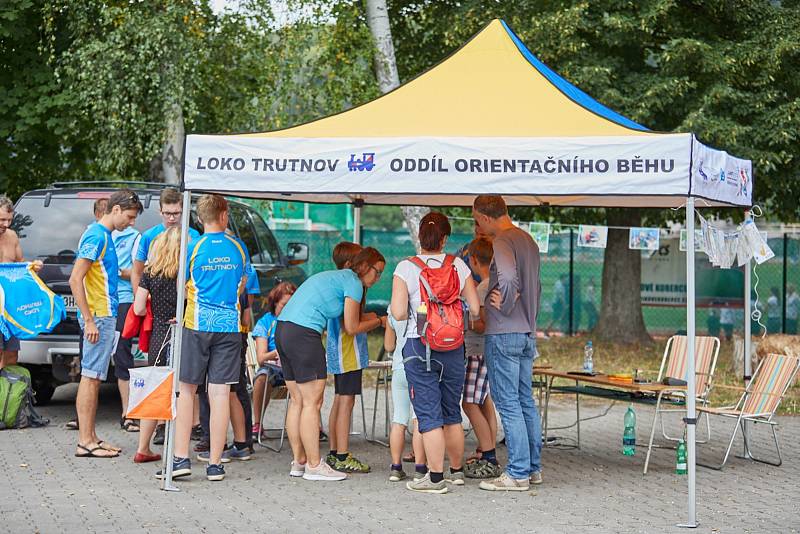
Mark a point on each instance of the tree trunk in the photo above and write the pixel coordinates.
(172, 151)
(621, 318)
(388, 79)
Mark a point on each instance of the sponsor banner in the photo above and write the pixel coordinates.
(623, 165)
(720, 176)
(664, 279)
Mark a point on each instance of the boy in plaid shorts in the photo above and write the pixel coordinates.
(476, 402)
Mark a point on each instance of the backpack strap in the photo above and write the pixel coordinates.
(417, 261)
(449, 259)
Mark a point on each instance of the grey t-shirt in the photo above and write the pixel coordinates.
(515, 272)
(473, 342)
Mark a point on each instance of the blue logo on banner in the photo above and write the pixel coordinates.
(366, 163)
(138, 383)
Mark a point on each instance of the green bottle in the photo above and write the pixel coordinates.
(680, 458)
(629, 434)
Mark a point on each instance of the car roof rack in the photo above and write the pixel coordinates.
(99, 183)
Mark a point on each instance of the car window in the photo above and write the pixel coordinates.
(34, 223)
(269, 247)
(245, 232)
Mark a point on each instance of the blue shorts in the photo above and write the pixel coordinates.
(435, 394)
(96, 356)
(273, 373)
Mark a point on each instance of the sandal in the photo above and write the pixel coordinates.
(106, 446)
(408, 459)
(91, 453)
(128, 425)
(72, 425)
(474, 457)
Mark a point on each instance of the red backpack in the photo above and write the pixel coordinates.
(440, 290)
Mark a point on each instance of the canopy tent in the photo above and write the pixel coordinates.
(491, 118)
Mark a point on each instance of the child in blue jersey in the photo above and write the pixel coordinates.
(298, 338)
(215, 273)
(93, 282)
(170, 204)
(347, 356)
(270, 372)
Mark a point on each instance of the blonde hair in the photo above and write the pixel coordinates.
(211, 207)
(166, 250)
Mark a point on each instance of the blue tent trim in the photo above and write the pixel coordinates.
(572, 92)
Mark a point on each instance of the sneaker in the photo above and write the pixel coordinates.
(505, 483)
(323, 436)
(215, 472)
(205, 456)
(323, 472)
(238, 454)
(351, 464)
(419, 476)
(396, 475)
(255, 431)
(424, 485)
(331, 460)
(297, 469)
(197, 433)
(536, 478)
(181, 467)
(158, 438)
(455, 478)
(482, 469)
(202, 446)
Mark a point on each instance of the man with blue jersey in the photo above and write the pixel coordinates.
(124, 241)
(215, 277)
(93, 281)
(170, 204)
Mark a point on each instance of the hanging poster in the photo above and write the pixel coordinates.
(592, 236)
(698, 240)
(643, 239)
(541, 234)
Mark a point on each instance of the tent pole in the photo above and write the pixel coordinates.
(357, 224)
(175, 363)
(748, 333)
(691, 415)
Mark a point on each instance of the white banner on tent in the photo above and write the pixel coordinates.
(720, 176)
(624, 165)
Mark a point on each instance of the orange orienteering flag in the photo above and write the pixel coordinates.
(151, 394)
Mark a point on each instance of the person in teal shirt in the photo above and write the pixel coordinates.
(324, 296)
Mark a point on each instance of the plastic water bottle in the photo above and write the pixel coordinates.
(629, 435)
(680, 458)
(422, 318)
(588, 362)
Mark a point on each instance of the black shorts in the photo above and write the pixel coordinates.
(302, 352)
(215, 353)
(348, 383)
(123, 356)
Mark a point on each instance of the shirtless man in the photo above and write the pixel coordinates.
(10, 252)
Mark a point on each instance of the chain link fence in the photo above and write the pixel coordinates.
(572, 283)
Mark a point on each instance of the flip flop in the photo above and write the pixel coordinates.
(90, 453)
(111, 448)
(72, 425)
(128, 425)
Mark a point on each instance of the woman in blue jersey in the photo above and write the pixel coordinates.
(324, 296)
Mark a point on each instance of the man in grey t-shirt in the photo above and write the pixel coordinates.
(510, 341)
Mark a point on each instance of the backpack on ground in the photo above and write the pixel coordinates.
(440, 294)
(16, 399)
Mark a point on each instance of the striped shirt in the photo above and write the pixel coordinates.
(100, 284)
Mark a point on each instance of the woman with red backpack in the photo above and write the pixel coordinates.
(429, 289)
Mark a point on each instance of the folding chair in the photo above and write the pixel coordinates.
(674, 365)
(278, 393)
(759, 402)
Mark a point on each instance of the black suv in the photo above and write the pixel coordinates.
(50, 222)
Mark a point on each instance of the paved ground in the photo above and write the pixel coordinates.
(46, 489)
